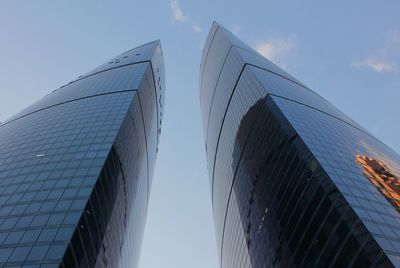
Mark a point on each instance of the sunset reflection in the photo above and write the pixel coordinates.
(382, 177)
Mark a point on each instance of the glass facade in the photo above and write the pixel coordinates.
(294, 181)
(76, 167)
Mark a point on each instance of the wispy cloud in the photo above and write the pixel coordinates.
(197, 28)
(383, 59)
(177, 13)
(276, 49)
(375, 64)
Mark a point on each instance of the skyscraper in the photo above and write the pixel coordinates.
(76, 167)
(294, 181)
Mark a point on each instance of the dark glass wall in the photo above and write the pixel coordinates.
(294, 181)
(76, 167)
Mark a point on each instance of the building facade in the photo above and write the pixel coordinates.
(76, 167)
(294, 181)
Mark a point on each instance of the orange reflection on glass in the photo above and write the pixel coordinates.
(382, 177)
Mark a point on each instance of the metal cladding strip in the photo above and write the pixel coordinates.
(155, 94)
(215, 89)
(288, 77)
(153, 84)
(349, 122)
(344, 121)
(102, 71)
(220, 131)
(250, 64)
(141, 55)
(61, 103)
(226, 109)
(84, 97)
(231, 188)
(147, 148)
(216, 28)
(210, 38)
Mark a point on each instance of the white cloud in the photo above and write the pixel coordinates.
(197, 28)
(178, 16)
(276, 49)
(376, 65)
(177, 13)
(384, 58)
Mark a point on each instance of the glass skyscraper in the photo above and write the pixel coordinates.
(294, 181)
(76, 167)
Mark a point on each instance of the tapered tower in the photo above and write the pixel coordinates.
(76, 167)
(294, 181)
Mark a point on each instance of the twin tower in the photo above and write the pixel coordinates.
(294, 181)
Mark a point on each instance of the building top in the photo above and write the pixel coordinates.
(127, 68)
(224, 54)
(218, 44)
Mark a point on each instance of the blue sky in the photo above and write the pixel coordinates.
(347, 51)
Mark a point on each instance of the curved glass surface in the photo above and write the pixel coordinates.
(76, 167)
(294, 181)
